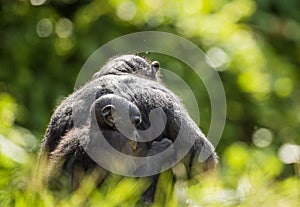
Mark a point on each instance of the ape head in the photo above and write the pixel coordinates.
(115, 114)
(130, 64)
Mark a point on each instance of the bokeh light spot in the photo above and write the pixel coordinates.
(236, 155)
(217, 58)
(283, 87)
(64, 28)
(44, 27)
(63, 46)
(8, 109)
(255, 82)
(37, 2)
(289, 153)
(126, 11)
(262, 137)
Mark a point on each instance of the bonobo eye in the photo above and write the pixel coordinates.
(136, 120)
(155, 65)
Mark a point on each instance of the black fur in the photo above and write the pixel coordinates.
(137, 81)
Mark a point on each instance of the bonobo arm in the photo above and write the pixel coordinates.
(202, 154)
(156, 147)
(70, 161)
(180, 128)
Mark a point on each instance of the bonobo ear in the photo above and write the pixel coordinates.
(155, 66)
(107, 113)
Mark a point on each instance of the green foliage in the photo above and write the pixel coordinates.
(250, 181)
(255, 46)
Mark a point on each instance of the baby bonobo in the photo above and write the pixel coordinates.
(70, 154)
(158, 122)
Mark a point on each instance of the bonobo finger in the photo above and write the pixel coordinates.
(159, 146)
(203, 157)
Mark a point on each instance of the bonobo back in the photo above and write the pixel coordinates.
(134, 82)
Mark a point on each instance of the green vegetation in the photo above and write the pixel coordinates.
(255, 46)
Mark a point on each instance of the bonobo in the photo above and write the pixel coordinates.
(159, 124)
(70, 154)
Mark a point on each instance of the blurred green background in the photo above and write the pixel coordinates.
(254, 45)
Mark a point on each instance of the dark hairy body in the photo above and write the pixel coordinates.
(137, 82)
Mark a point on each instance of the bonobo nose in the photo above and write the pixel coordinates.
(155, 65)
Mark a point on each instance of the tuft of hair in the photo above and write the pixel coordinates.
(130, 64)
